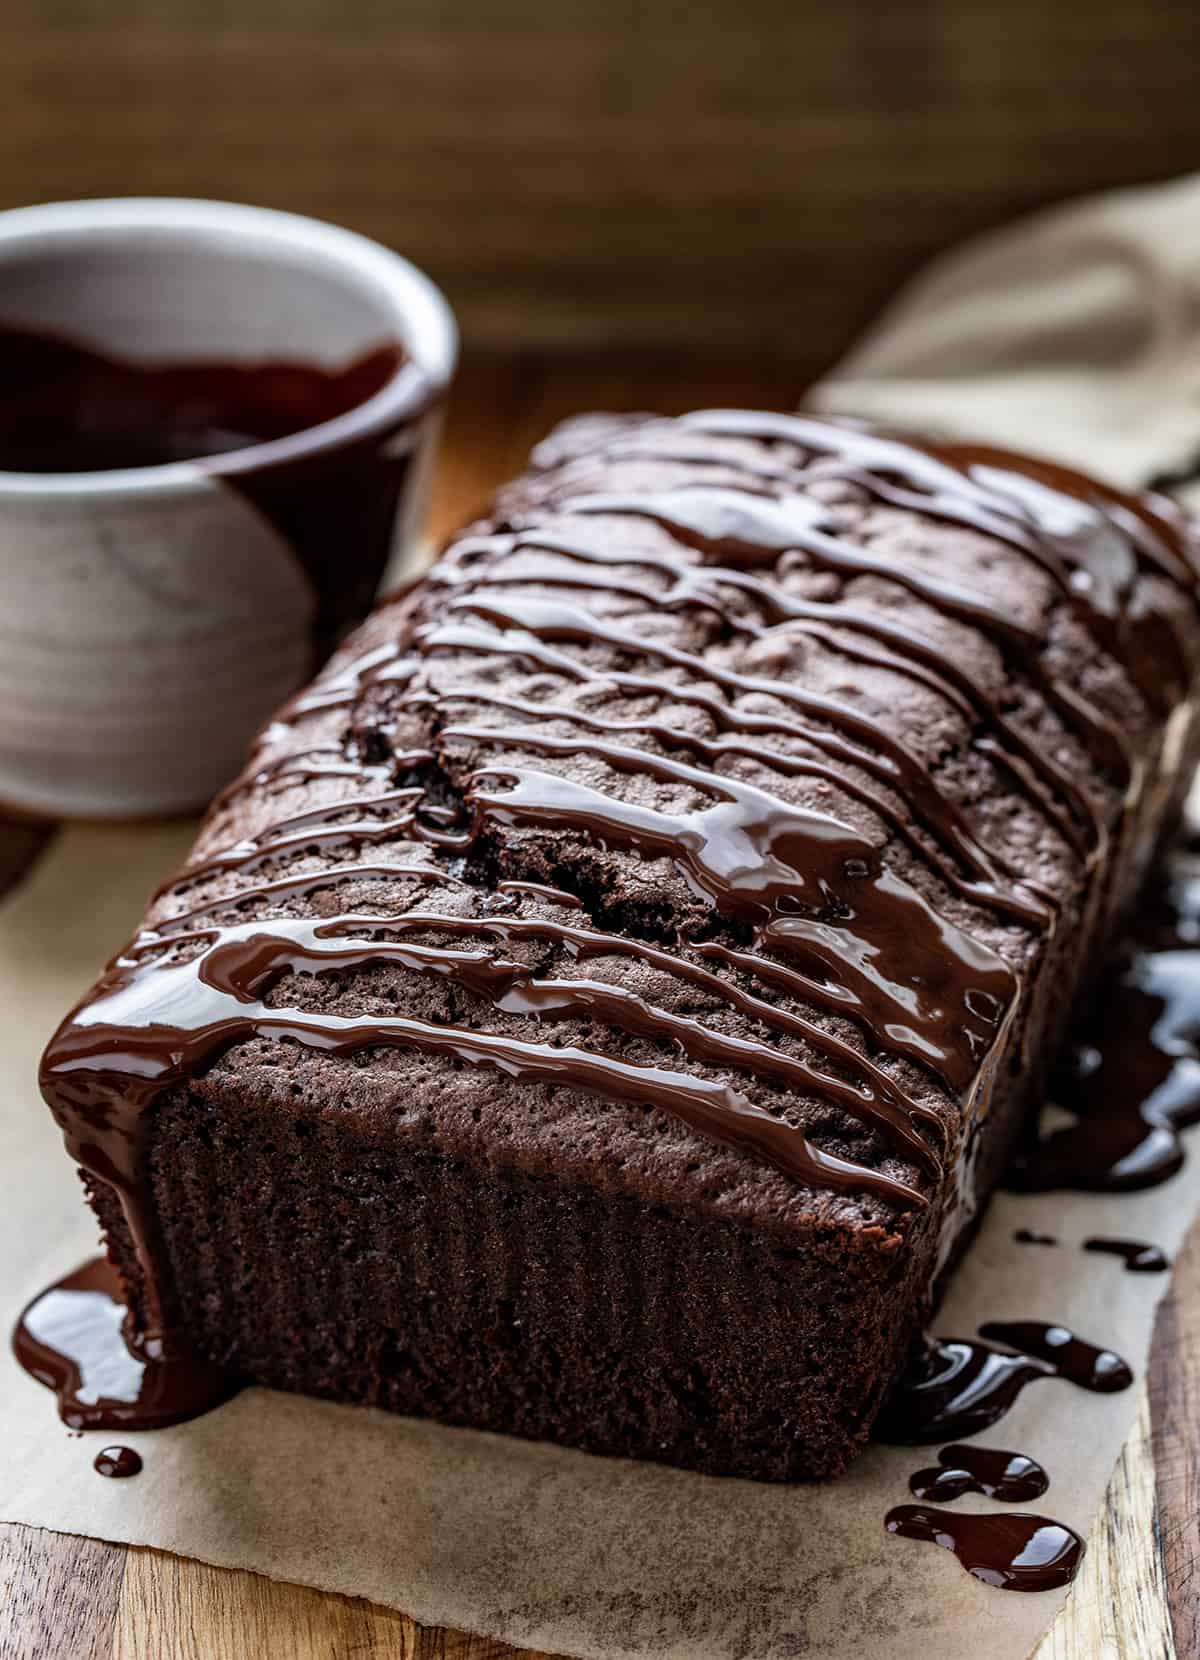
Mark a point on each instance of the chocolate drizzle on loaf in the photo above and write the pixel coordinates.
(833, 923)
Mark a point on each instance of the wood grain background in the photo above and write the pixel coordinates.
(725, 172)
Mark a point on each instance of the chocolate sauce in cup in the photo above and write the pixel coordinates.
(216, 429)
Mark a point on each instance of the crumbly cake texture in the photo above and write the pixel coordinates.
(409, 1228)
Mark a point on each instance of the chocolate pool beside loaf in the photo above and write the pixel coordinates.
(603, 1005)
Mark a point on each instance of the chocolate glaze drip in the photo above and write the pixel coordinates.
(118, 1462)
(335, 503)
(959, 1386)
(1012, 1477)
(1131, 1070)
(866, 747)
(1016, 1552)
(952, 1039)
(1138, 1257)
(1071, 1357)
(66, 408)
(75, 1338)
(955, 1387)
(808, 909)
(1030, 1236)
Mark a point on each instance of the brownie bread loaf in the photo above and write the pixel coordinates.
(605, 1001)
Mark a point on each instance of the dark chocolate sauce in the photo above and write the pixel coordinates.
(781, 870)
(556, 896)
(1013, 1552)
(1092, 540)
(854, 740)
(75, 1339)
(804, 907)
(957, 1387)
(845, 628)
(1030, 1236)
(118, 1462)
(67, 409)
(1130, 1074)
(1071, 1357)
(1138, 1257)
(1012, 1477)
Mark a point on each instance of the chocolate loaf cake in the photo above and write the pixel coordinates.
(606, 1000)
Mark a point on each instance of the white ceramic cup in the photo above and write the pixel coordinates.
(153, 617)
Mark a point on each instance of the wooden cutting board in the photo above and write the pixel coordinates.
(64, 1598)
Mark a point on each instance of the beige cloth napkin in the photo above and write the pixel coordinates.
(1071, 334)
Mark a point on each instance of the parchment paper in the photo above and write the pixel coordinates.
(580, 1555)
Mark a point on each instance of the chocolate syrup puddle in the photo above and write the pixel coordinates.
(118, 1462)
(1073, 1358)
(74, 1339)
(1016, 1552)
(1011, 1477)
(1130, 1075)
(958, 1387)
(1134, 1083)
(1138, 1257)
(955, 1387)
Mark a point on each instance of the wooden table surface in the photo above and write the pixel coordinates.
(65, 1598)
